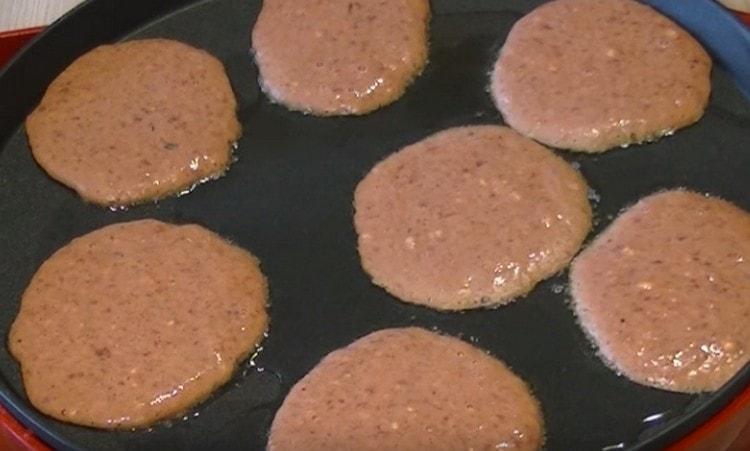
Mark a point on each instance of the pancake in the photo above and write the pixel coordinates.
(136, 121)
(408, 389)
(137, 322)
(664, 292)
(469, 217)
(340, 57)
(590, 75)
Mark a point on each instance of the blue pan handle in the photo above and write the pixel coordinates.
(724, 35)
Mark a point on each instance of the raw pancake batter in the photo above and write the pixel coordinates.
(664, 292)
(589, 75)
(408, 389)
(137, 322)
(136, 121)
(469, 217)
(340, 57)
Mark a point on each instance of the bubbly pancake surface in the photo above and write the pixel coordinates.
(340, 57)
(590, 75)
(664, 292)
(469, 217)
(137, 322)
(136, 121)
(408, 389)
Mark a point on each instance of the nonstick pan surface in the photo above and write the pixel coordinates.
(288, 199)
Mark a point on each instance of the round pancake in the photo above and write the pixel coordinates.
(664, 292)
(136, 121)
(469, 217)
(137, 322)
(408, 389)
(340, 57)
(589, 75)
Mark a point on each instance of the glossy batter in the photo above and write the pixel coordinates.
(589, 75)
(136, 121)
(664, 292)
(339, 57)
(408, 389)
(137, 322)
(469, 217)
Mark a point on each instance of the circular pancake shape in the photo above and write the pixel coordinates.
(340, 57)
(589, 75)
(664, 292)
(469, 217)
(408, 389)
(137, 322)
(136, 121)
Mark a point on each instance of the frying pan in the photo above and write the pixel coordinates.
(288, 198)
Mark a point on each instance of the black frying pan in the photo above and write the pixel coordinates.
(288, 199)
